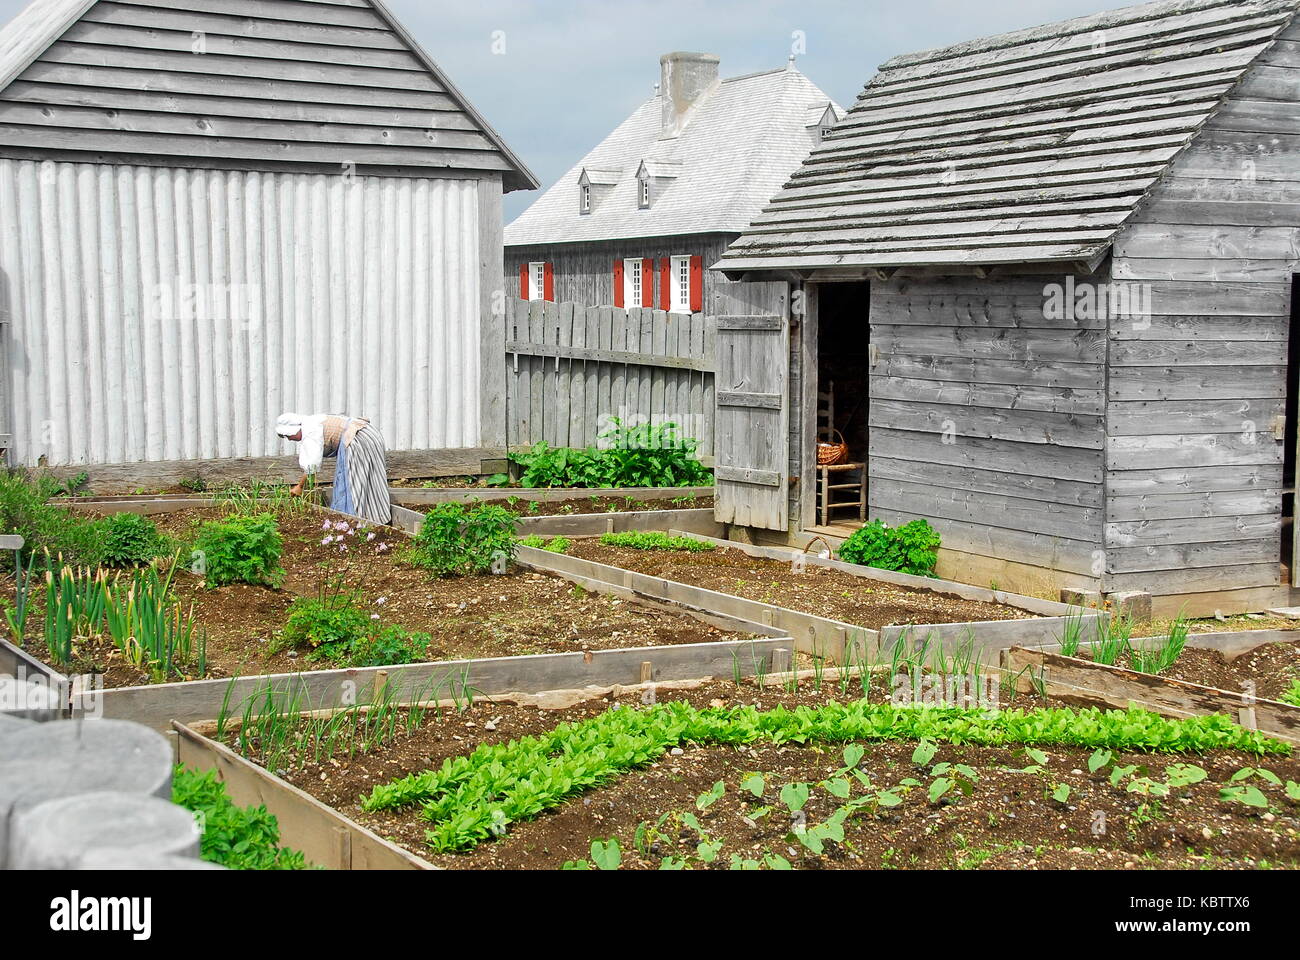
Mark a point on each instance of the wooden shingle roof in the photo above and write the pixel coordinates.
(1026, 147)
(299, 81)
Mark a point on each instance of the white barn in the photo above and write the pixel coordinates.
(215, 210)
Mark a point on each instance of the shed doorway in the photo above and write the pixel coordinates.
(842, 398)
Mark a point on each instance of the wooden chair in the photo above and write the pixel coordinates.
(847, 476)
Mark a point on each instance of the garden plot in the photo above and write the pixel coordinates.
(1257, 684)
(830, 610)
(519, 613)
(725, 774)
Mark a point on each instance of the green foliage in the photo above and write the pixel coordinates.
(454, 540)
(649, 455)
(130, 540)
(68, 536)
(1292, 695)
(331, 625)
(912, 548)
(1162, 654)
(655, 540)
(1113, 640)
(472, 798)
(239, 838)
(392, 645)
(240, 548)
(554, 545)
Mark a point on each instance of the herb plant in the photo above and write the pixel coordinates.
(647, 455)
(129, 540)
(912, 548)
(454, 540)
(241, 548)
(655, 540)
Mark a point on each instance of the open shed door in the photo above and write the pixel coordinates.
(752, 419)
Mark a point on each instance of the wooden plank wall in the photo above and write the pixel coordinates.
(260, 80)
(568, 401)
(584, 272)
(1194, 471)
(986, 419)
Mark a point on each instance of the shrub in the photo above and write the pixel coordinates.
(389, 646)
(129, 540)
(912, 548)
(655, 540)
(241, 548)
(239, 838)
(24, 510)
(454, 541)
(331, 626)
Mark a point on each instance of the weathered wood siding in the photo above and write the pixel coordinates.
(298, 81)
(569, 369)
(584, 272)
(1194, 471)
(986, 419)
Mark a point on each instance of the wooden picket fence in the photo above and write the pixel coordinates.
(569, 369)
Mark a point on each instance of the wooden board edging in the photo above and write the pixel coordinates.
(195, 701)
(326, 837)
(1082, 682)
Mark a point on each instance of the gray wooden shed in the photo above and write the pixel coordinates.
(1053, 273)
(217, 210)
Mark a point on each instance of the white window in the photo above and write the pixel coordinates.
(586, 198)
(645, 193)
(537, 281)
(681, 284)
(632, 283)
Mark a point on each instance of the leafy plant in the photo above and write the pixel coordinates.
(16, 613)
(646, 455)
(46, 528)
(1112, 641)
(329, 625)
(239, 838)
(392, 645)
(912, 548)
(240, 548)
(554, 545)
(655, 540)
(1292, 694)
(129, 540)
(454, 541)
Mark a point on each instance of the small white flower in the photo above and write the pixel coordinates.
(341, 526)
(381, 601)
(370, 536)
(326, 525)
(374, 616)
(327, 541)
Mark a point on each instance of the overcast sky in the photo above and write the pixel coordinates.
(555, 76)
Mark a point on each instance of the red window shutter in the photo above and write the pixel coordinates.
(618, 283)
(523, 282)
(647, 283)
(697, 284)
(548, 282)
(666, 283)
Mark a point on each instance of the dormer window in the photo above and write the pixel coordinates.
(657, 175)
(822, 120)
(594, 184)
(584, 200)
(643, 193)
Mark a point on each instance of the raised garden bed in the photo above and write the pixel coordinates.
(1245, 683)
(864, 791)
(520, 613)
(562, 501)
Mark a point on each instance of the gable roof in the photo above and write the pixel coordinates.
(1031, 146)
(332, 84)
(740, 144)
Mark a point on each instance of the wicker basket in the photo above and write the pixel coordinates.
(829, 454)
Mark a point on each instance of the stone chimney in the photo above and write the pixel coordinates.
(684, 80)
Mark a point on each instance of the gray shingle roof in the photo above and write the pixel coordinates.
(1030, 146)
(740, 145)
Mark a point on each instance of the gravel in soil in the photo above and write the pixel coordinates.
(468, 617)
(1008, 821)
(818, 590)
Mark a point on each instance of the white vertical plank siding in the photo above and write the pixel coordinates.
(167, 314)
